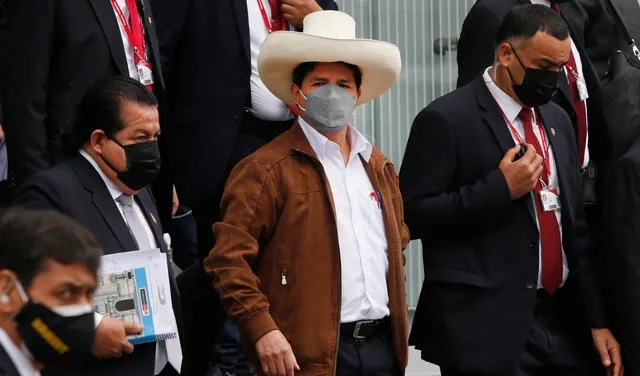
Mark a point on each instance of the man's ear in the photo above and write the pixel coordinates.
(96, 140)
(6, 281)
(504, 54)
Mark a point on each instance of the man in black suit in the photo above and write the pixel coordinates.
(103, 185)
(219, 112)
(579, 93)
(509, 277)
(48, 271)
(56, 50)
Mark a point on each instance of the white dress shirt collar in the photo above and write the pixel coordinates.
(114, 191)
(319, 142)
(509, 106)
(18, 357)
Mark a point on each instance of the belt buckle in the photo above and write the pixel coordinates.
(359, 324)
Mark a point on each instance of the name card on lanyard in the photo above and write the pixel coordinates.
(549, 197)
(135, 34)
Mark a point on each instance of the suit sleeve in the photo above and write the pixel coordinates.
(476, 46)
(249, 216)
(26, 78)
(623, 237)
(427, 173)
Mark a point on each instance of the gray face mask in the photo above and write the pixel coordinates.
(329, 108)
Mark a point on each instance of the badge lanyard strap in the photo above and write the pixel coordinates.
(267, 21)
(544, 141)
(136, 40)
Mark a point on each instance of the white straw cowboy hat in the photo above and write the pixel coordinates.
(328, 36)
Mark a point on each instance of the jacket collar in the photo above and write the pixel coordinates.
(297, 142)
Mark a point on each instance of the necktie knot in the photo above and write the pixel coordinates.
(526, 115)
(125, 200)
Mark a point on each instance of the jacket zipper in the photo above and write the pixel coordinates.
(283, 280)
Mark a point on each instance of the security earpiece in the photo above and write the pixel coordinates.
(4, 299)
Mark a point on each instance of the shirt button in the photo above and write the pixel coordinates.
(531, 245)
(530, 286)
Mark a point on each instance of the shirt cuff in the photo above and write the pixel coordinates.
(97, 318)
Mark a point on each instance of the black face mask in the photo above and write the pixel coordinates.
(537, 87)
(143, 164)
(61, 335)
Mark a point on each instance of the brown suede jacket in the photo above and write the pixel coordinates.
(276, 263)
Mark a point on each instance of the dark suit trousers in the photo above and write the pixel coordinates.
(551, 348)
(373, 356)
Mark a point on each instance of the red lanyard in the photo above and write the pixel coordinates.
(543, 140)
(267, 20)
(135, 33)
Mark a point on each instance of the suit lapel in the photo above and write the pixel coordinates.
(496, 122)
(104, 203)
(107, 19)
(559, 153)
(242, 18)
(151, 214)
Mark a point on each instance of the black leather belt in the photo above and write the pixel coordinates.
(365, 328)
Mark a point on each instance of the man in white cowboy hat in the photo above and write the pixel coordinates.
(309, 255)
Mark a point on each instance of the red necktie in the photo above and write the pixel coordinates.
(276, 15)
(579, 105)
(550, 240)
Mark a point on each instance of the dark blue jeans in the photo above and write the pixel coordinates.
(227, 353)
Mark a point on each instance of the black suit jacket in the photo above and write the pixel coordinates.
(206, 56)
(76, 189)
(56, 50)
(480, 247)
(476, 51)
(6, 365)
(622, 218)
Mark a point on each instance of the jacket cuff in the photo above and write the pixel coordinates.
(258, 324)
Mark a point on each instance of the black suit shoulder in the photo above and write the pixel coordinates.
(50, 189)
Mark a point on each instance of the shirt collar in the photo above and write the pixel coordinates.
(509, 106)
(319, 142)
(18, 357)
(113, 190)
(546, 3)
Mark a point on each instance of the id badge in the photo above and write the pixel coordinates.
(145, 73)
(583, 92)
(550, 200)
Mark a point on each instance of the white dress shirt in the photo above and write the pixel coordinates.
(161, 349)
(361, 235)
(576, 55)
(18, 357)
(511, 110)
(264, 104)
(128, 47)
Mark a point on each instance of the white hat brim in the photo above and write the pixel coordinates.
(283, 51)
